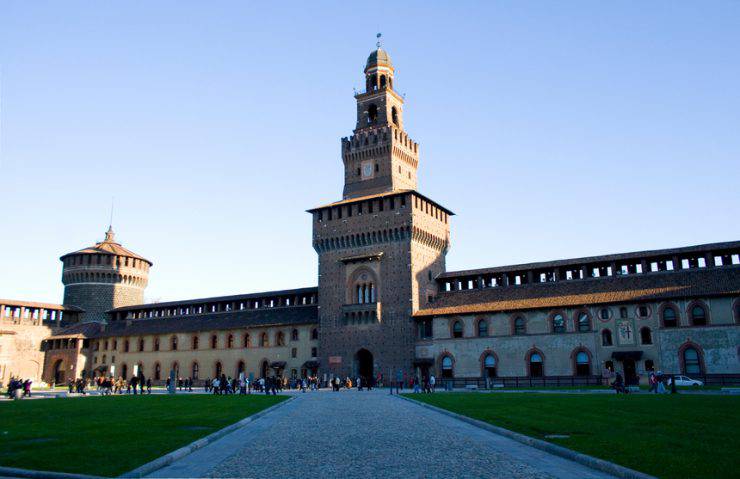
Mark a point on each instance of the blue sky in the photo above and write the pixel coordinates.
(553, 130)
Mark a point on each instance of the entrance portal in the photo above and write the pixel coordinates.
(630, 373)
(59, 372)
(364, 364)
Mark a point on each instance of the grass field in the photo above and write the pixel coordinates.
(108, 436)
(666, 436)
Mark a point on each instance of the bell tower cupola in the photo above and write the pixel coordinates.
(379, 157)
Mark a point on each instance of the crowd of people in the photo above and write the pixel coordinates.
(18, 387)
(659, 383)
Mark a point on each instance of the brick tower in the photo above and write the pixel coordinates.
(382, 245)
(102, 277)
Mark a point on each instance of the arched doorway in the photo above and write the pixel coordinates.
(489, 366)
(59, 372)
(364, 363)
(264, 367)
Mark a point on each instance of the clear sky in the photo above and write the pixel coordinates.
(552, 129)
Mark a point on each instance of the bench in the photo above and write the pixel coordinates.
(471, 386)
(730, 390)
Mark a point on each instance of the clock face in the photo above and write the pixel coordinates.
(367, 170)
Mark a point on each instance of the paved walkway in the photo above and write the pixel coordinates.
(367, 434)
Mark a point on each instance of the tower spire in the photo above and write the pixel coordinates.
(377, 44)
(110, 236)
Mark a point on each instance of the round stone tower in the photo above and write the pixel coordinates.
(102, 277)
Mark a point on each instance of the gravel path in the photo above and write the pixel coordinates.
(367, 434)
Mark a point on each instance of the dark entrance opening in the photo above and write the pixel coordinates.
(630, 373)
(59, 372)
(263, 369)
(364, 363)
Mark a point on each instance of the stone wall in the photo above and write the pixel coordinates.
(717, 342)
(20, 351)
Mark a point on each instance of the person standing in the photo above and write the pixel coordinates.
(432, 382)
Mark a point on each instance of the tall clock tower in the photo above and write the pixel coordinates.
(380, 156)
(381, 246)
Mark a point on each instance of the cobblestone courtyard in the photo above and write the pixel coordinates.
(367, 434)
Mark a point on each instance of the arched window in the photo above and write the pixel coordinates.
(646, 337)
(669, 317)
(124, 371)
(584, 322)
(457, 329)
(104, 358)
(482, 328)
(218, 369)
(157, 371)
(520, 326)
(489, 365)
(315, 333)
(230, 341)
(280, 339)
(394, 115)
(173, 343)
(141, 344)
(214, 341)
(247, 341)
(240, 367)
(536, 368)
(623, 312)
(176, 369)
(195, 371)
(264, 342)
(698, 315)
(604, 313)
(691, 361)
(125, 346)
(294, 335)
(362, 289)
(382, 81)
(447, 371)
(156, 344)
(606, 337)
(583, 364)
(372, 113)
(558, 323)
(194, 342)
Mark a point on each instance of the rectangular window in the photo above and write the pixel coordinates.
(294, 353)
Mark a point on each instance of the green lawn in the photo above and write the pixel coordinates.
(666, 435)
(108, 436)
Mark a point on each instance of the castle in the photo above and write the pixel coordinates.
(385, 303)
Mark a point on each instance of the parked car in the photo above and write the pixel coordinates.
(686, 381)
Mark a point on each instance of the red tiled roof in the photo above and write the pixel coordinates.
(381, 195)
(291, 315)
(720, 281)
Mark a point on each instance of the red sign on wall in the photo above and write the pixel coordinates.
(335, 359)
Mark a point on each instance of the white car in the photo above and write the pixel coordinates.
(686, 381)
